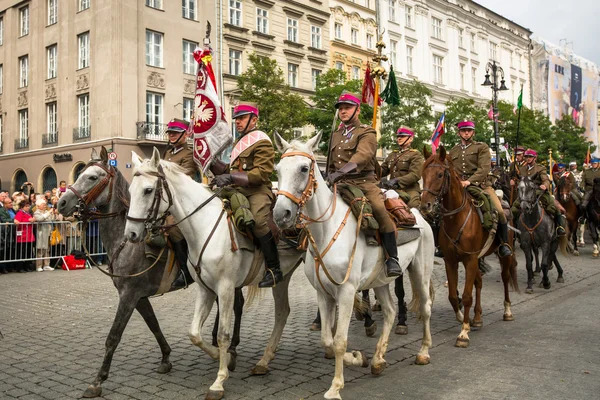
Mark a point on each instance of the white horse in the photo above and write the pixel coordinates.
(303, 192)
(159, 186)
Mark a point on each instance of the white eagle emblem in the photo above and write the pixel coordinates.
(204, 114)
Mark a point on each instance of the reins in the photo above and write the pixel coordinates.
(527, 228)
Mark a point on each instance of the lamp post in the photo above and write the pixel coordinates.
(492, 69)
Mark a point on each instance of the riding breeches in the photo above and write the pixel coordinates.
(586, 198)
(260, 206)
(496, 204)
(174, 232)
(373, 193)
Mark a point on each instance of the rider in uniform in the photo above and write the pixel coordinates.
(537, 174)
(578, 175)
(404, 167)
(588, 180)
(249, 172)
(472, 160)
(562, 172)
(352, 160)
(179, 153)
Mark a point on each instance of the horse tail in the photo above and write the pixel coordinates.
(563, 243)
(254, 292)
(359, 306)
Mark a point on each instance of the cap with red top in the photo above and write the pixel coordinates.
(348, 98)
(404, 131)
(177, 125)
(465, 125)
(519, 150)
(530, 153)
(244, 108)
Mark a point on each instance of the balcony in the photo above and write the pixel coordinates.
(21, 144)
(50, 139)
(151, 131)
(82, 134)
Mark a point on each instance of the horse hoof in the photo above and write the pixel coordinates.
(365, 359)
(333, 395)
(376, 306)
(576, 253)
(422, 360)
(232, 361)
(508, 317)
(359, 316)
(315, 327)
(595, 255)
(401, 330)
(370, 330)
(541, 284)
(547, 285)
(259, 370)
(92, 391)
(536, 273)
(476, 325)
(529, 290)
(329, 355)
(164, 368)
(560, 280)
(462, 343)
(215, 394)
(378, 369)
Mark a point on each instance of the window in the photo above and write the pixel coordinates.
(51, 126)
(154, 4)
(408, 20)
(392, 10)
(235, 12)
(292, 29)
(355, 72)
(1, 30)
(462, 76)
(473, 43)
(188, 9)
(315, 36)
(154, 41)
(369, 41)
(52, 12)
(23, 71)
(438, 69)
(84, 5)
(235, 62)
(393, 53)
(461, 41)
(84, 110)
(189, 63)
(493, 51)
(24, 20)
(512, 59)
(154, 114)
(315, 73)
(338, 31)
(1, 77)
(262, 20)
(23, 125)
(188, 109)
(354, 36)
(84, 50)
(436, 28)
(51, 52)
(339, 65)
(474, 80)
(293, 75)
(409, 60)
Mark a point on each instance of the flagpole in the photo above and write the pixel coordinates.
(375, 103)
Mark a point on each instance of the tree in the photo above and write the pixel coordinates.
(414, 112)
(280, 110)
(458, 109)
(571, 144)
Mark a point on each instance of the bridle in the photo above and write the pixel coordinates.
(439, 195)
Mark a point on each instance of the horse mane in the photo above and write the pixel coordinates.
(121, 187)
(297, 145)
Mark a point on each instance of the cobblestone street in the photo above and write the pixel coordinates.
(55, 325)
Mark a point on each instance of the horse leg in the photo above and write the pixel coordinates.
(452, 276)
(327, 311)
(559, 269)
(127, 303)
(359, 315)
(508, 269)
(147, 312)
(316, 324)
(548, 251)
(537, 262)
(526, 247)
(370, 325)
(226, 293)
(477, 322)
(573, 228)
(378, 363)
(216, 326)
(401, 328)
(238, 310)
(421, 304)
(204, 302)
(282, 311)
(471, 269)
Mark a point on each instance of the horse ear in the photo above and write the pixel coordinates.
(313, 143)
(135, 159)
(280, 142)
(104, 155)
(442, 153)
(94, 155)
(155, 158)
(426, 152)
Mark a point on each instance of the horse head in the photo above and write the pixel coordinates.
(93, 187)
(564, 187)
(436, 180)
(150, 196)
(299, 177)
(527, 196)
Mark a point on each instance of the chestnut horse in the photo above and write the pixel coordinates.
(564, 188)
(461, 238)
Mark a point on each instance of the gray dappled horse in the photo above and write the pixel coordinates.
(104, 188)
(538, 232)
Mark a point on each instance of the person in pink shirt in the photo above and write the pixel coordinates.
(25, 236)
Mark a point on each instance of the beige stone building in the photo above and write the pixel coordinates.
(83, 73)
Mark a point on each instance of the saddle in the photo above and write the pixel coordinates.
(483, 205)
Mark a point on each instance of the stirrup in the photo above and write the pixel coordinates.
(268, 270)
(506, 245)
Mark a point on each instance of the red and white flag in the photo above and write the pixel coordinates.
(368, 89)
(210, 130)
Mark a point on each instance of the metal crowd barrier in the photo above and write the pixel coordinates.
(15, 244)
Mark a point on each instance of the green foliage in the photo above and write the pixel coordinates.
(458, 109)
(414, 112)
(280, 109)
(571, 144)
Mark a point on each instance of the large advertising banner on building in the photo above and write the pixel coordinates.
(573, 91)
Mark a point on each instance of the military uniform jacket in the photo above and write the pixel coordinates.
(473, 162)
(588, 178)
(537, 174)
(406, 165)
(358, 146)
(258, 162)
(514, 170)
(183, 157)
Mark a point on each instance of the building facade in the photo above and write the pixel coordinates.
(84, 73)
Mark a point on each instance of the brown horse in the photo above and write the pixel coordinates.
(462, 239)
(564, 188)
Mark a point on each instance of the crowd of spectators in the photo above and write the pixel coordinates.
(33, 234)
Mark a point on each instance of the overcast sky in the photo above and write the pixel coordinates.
(553, 20)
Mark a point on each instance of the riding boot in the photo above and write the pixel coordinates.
(273, 274)
(559, 220)
(184, 278)
(436, 230)
(392, 264)
(504, 249)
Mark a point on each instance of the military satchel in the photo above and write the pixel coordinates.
(400, 212)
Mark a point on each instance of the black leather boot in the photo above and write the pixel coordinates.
(504, 249)
(273, 273)
(559, 219)
(181, 253)
(392, 265)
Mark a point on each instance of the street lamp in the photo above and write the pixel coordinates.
(494, 69)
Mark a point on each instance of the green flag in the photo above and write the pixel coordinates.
(390, 94)
(520, 99)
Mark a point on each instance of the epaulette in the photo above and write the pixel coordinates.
(395, 151)
(415, 150)
(365, 126)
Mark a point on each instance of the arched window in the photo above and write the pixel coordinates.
(20, 179)
(49, 179)
(77, 171)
